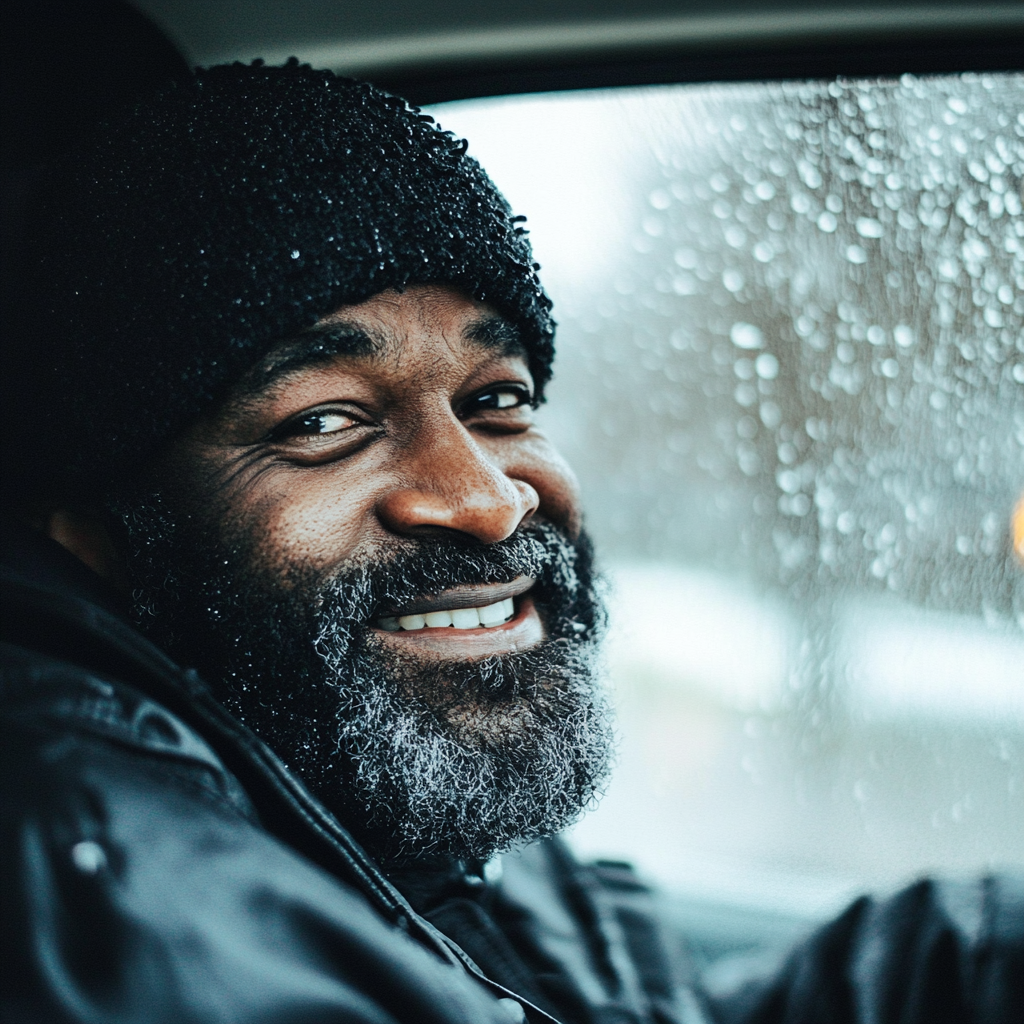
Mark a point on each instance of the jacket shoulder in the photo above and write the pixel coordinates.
(50, 706)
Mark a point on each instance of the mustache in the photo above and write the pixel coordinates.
(561, 568)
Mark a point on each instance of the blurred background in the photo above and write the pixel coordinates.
(791, 380)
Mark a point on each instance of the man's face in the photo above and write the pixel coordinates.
(375, 557)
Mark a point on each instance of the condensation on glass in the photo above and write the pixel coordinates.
(791, 380)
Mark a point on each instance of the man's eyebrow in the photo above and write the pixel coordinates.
(497, 333)
(318, 344)
(323, 342)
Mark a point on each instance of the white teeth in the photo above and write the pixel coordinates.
(465, 618)
(461, 618)
(493, 614)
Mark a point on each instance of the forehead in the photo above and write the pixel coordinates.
(410, 327)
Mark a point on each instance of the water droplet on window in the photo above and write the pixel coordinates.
(686, 258)
(745, 394)
(846, 522)
(903, 335)
(787, 453)
(719, 182)
(735, 236)
(771, 415)
(744, 369)
(660, 199)
(868, 227)
(733, 280)
(744, 335)
(654, 227)
(767, 366)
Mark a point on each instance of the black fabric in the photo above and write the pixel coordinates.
(465, 921)
(938, 952)
(594, 940)
(229, 211)
(157, 863)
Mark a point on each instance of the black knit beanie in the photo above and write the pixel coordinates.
(230, 211)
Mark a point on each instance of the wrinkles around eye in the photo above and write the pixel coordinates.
(319, 437)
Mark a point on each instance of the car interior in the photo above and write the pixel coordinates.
(785, 244)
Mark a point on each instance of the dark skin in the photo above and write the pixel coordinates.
(323, 458)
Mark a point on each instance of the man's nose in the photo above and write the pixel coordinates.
(450, 483)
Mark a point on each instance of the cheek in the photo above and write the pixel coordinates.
(307, 519)
(539, 463)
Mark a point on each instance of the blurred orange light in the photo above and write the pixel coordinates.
(1018, 529)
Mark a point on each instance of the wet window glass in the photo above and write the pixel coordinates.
(791, 380)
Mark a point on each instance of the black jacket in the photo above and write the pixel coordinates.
(160, 864)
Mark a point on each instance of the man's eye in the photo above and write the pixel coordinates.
(317, 424)
(499, 398)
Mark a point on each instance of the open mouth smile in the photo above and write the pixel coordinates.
(479, 619)
(460, 618)
(471, 607)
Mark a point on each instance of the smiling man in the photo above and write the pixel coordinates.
(300, 621)
(279, 350)
(373, 509)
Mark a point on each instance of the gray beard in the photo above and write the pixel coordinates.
(421, 760)
(469, 760)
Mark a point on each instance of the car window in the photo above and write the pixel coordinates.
(791, 380)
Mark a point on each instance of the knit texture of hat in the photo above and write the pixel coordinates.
(221, 216)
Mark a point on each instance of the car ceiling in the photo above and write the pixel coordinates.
(475, 47)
